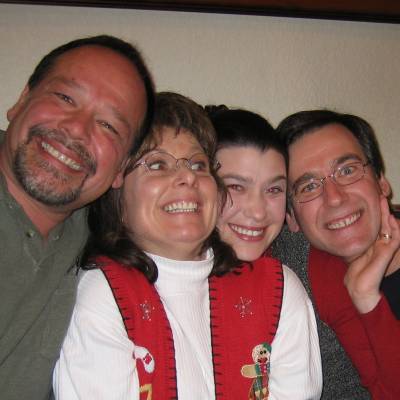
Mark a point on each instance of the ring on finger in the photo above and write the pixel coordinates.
(385, 236)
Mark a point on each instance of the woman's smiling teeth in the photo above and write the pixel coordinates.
(245, 231)
(61, 157)
(181, 206)
(345, 221)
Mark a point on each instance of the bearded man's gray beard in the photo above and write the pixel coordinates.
(45, 187)
(40, 188)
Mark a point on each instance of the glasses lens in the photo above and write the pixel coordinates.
(345, 174)
(199, 163)
(162, 163)
(349, 173)
(308, 190)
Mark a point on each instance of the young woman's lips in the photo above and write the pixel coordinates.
(248, 233)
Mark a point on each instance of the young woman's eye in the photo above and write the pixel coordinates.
(235, 188)
(275, 190)
(64, 97)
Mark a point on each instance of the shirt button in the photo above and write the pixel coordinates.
(30, 233)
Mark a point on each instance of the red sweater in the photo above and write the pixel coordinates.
(371, 340)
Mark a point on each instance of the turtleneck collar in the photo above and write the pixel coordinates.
(176, 277)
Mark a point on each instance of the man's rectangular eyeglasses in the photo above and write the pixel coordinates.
(344, 175)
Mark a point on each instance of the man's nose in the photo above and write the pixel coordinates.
(78, 125)
(333, 193)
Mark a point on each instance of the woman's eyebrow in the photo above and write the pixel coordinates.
(236, 177)
(278, 178)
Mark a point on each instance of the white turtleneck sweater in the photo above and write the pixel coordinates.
(96, 360)
(183, 289)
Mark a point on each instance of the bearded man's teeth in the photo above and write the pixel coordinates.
(345, 222)
(248, 232)
(182, 206)
(61, 157)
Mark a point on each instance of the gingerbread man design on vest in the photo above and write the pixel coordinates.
(259, 372)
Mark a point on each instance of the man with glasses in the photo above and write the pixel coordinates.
(337, 196)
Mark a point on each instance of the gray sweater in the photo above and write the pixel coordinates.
(341, 380)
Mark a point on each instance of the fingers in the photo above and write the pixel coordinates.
(385, 236)
(393, 245)
(390, 227)
(386, 230)
(394, 230)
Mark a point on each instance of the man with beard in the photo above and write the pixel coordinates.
(83, 113)
(338, 197)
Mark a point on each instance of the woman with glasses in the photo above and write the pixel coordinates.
(165, 309)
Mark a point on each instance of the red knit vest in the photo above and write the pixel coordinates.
(244, 313)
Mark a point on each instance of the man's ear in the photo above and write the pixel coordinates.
(15, 109)
(119, 178)
(385, 186)
(291, 221)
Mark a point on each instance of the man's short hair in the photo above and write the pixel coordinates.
(301, 123)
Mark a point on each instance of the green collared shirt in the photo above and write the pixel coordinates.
(37, 293)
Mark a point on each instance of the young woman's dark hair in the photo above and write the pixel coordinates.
(111, 237)
(125, 49)
(237, 127)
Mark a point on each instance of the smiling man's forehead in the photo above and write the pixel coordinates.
(323, 149)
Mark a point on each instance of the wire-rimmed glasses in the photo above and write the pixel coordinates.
(343, 175)
(163, 163)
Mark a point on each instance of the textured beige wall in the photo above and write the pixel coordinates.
(275, 66)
